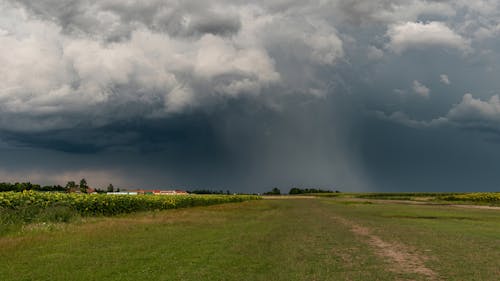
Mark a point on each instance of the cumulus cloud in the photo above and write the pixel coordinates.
(420, 89)
(419, 35)
(84, 63)
(403, 119)
(444, 79)
(470, 113)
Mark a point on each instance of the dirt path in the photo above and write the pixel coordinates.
(401, 257)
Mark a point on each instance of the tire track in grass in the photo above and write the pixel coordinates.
(401, 258)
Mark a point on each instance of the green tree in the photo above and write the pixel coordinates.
(83, 186)
(110, 188)
(295, 190)
(70, 185)
(274, 191)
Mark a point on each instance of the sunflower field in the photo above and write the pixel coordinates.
(29, 204)
(480, 197)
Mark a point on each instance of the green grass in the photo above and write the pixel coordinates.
(462, 243)
(295, 239)
(476, 198)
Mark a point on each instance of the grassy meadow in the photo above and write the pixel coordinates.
(274, 239)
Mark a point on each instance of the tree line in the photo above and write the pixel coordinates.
(71, 186)
(296, 190)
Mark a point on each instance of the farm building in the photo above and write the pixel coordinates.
(154, 192)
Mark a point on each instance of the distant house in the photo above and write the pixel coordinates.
(122, 193)
(170, 192)
(159, 192)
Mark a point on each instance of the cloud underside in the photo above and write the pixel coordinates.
(471, 113)
(418, 35)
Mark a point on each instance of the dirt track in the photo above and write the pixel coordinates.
(401, 258)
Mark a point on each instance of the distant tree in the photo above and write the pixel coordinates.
(70, 185)
(274, 191)
(19, 187)
(100, 191)
(308, 190)
(58, 188)
(83, 186)
(295, 191)
(110, 188)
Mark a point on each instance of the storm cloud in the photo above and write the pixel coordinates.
(247, 96)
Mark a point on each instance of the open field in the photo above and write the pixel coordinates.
(298, 239)
(476, 198)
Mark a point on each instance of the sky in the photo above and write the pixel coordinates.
(349, 95)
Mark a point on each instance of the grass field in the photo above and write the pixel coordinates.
(296, 239)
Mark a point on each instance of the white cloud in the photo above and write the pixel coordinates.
(400, 118)
(421, 89)
(325, 45)
(471, 110)
(62, 70)
(418, 35)
(444, 79)
(470, 113)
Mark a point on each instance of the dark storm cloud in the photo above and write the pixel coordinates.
(115, 20)
(227, 93)
(131, 135)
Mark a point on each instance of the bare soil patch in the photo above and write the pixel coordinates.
(402, 258)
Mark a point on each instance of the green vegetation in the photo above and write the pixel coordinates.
(297, 239)
(71, 186)
(33, 206)
(296, 190)
(488, 197)
(274, 191)
(403, 195)
(481, 198)
(457, 243)
(18, 187)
